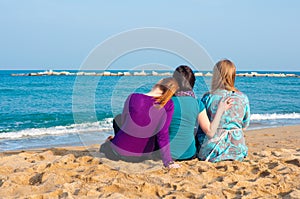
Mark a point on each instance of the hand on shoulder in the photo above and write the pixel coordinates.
(225, 104)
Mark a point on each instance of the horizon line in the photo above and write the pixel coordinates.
(141, 70)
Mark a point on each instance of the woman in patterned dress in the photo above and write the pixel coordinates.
(228, 142)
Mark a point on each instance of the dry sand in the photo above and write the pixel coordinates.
(272, 170)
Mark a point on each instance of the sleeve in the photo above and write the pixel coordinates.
(201, 106)
(204, 101)
(246, 119)
(163, 138)
(125, 111)
(200, 135)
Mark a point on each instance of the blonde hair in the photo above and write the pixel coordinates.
(224, 76)
(168, 86)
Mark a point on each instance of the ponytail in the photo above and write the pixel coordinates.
(168, 86)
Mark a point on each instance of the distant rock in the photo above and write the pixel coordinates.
(208, 74)
(127, 74)
(106, 73)
(142, 73)
(198, 74)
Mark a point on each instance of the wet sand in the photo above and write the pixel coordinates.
(272, 170)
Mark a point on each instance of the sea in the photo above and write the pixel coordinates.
(53, 111)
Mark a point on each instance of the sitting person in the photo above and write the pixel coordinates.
(227, 143)
(144, 126)
(186, 111)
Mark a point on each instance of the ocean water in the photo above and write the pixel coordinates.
(49, 111)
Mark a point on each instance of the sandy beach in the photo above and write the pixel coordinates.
(272, 170)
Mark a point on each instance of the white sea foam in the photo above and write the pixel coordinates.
(104, 125)
(274, 116)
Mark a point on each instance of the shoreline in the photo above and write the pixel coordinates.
(249, 134)
(272, 169)
(256, 136)
(79, 139)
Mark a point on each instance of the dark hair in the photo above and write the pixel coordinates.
(185, 78)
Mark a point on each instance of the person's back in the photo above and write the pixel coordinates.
(182, 139)
(141, 124)
(186, 110)
(144, 126)
(228, 142)
(236, 117)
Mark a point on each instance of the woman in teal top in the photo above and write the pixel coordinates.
(186, 111)
(228, 142)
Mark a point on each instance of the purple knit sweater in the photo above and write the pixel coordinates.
(143, 125)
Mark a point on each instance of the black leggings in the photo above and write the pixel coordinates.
(113, 155)
(117, 122)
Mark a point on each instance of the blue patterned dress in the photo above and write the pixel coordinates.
(228, 142)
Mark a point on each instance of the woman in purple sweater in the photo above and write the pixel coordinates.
(145, 122)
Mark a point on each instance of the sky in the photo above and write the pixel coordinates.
(60, 34)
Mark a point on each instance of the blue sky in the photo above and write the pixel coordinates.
(59, 34)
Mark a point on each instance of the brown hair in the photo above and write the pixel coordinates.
(168, 86)
(185, 78)
(224, 76)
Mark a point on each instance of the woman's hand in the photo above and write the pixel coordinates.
(225, 104)
(109, 138)
(173, 165)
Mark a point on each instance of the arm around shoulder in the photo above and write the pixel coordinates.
(210, 128)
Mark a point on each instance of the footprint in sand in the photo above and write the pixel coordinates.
(272, 165)
(295, 162)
